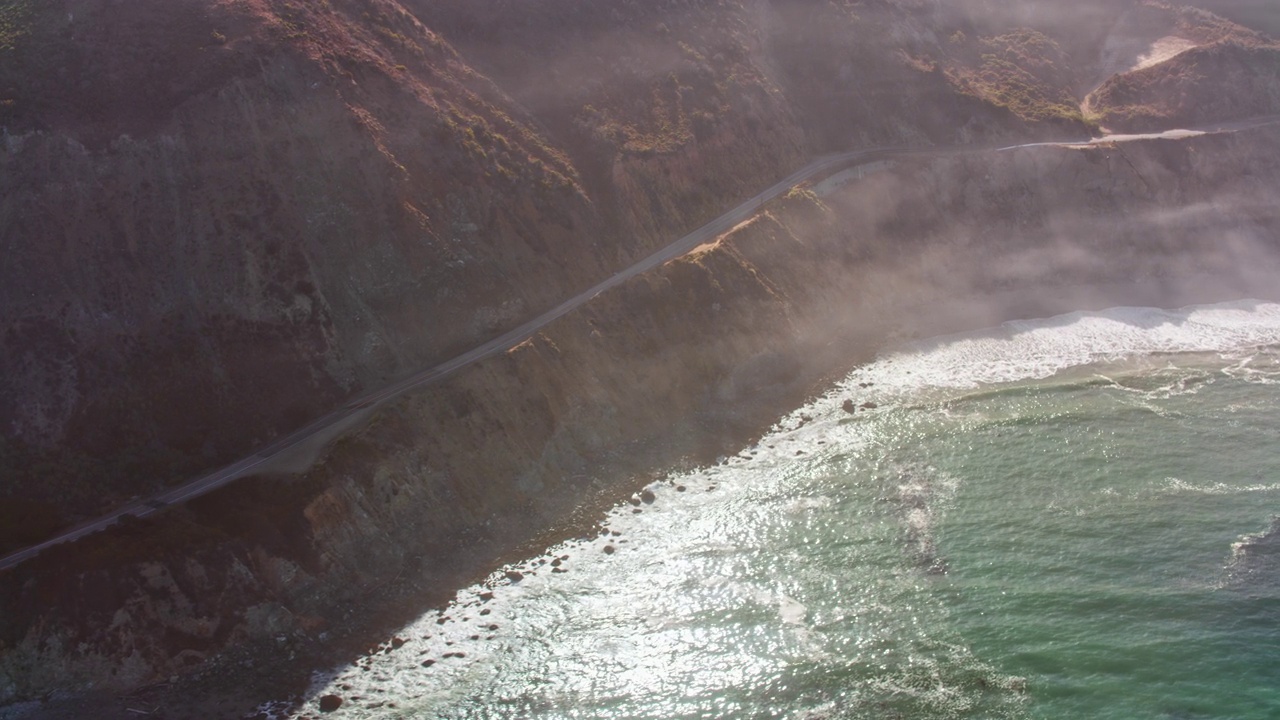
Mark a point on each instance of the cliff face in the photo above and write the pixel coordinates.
(191, 272)
(683, 362)
(222, 218)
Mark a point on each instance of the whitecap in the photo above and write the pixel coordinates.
(1176, 485)
(1037, 349)
(791, 611)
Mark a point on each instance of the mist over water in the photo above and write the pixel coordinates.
(1051, 519)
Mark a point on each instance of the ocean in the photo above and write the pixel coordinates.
(1058, 518)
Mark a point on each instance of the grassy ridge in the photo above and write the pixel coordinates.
(1223, 81)
(1257, 14)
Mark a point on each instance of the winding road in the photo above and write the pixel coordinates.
(313, 437)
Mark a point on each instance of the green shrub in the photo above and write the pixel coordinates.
(15, 22)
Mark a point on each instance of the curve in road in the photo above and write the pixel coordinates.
(333, 424)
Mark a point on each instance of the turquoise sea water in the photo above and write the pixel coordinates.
(1065, 518)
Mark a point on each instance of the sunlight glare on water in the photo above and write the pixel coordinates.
(1052, 519)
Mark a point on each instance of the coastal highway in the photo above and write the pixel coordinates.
(326, 428)
(319, 432)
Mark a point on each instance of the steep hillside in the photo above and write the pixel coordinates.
(223, 218)
(1257, 14)
(683, 363)
(1183, 67)
(220, 218)
(1219, 82)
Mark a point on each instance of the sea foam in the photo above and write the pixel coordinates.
(1036, 349)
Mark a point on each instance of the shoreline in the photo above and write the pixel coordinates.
(528, 563)
(187, 699)
(687, 363)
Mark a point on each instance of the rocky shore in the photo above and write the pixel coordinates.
(234, 598)
(222, 220)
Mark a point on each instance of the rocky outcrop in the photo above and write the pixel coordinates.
(1255, 560)
(678, 365)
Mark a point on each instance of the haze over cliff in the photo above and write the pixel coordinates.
(224, 218)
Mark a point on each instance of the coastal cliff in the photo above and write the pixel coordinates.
(223, 219)
(682, 364)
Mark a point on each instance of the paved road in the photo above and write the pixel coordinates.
(330, 426)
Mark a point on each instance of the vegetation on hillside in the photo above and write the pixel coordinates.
(1024, 71)
(1222, 81)
(16, 25)
(15, 22)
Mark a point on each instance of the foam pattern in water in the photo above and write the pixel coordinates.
(1034, 349)
(827, 572)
